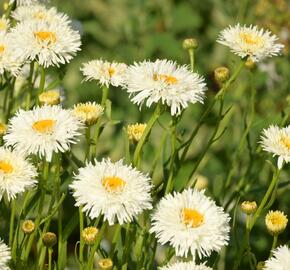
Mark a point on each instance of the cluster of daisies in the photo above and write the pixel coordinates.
(188, 221)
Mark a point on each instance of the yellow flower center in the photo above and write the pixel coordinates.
(165, 78)
(5, 167)
(44, 126)
(250, 39)
(113, 184)
(285, 140)
(47, 36)
(111, 71)
(192, 218)
(2, 49)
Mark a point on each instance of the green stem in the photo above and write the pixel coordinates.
(95, 246)
(169, 185)
(145, 134)
(115, 239)
(11, 226)
(49, 258)
(105, 92)
(30, 86)
(42, 187)
(88, 140)
(61, 249)
(81, 250)
(42, 81)
(191, 57)
(274, 244)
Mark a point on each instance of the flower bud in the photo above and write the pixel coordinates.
(189, 44)
(28, 226)
(89, 235)
(135, 132)
(201, 182)
(105, 264)
(3, 129)
(276, 222)
(221, 74)
(250, 64)
(249, 207)
(88, 113)
(51, 97)
(49, 239)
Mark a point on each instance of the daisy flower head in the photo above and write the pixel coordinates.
(106, 73)
(277, 141)
(4, 24)
(185, 266)
(280, 259)
(5, 256)
(164, 81)
(16, 173)
(117, 191)
(191, 222)
(250, 41)
(39, 13)
(276, 222)
(50, 44)
(43, 131)
(8, 59)
(88, 112)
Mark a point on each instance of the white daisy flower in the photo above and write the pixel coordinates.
(50, 44)
(39, 13)
(43, 131)
(8, 59)
(117, 191)
(191, 222)
(16, 173)
(185, 266)
(249, 41)
(4, 24)
(106, 73)
(5, 256)
(27, 2)
(164, 81)
(277, 141)
(280, 259)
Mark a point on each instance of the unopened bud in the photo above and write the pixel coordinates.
(49, 239)
(189, 43)
(135, 132)
(250, 64)
(3, 129)
(221, 74)
(105, 264)
(276, 222)
(89, 235)
(201, 182)
(51, 97)
(88, 113)
(249, 207)
(28, 226)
